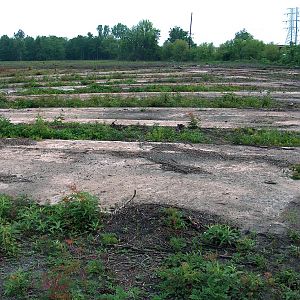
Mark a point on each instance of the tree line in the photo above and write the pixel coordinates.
(140, 42)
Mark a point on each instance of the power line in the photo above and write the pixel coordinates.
(293, 26)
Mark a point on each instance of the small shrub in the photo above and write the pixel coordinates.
(80, 212)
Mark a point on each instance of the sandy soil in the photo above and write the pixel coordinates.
(209, 117)
(249, 185)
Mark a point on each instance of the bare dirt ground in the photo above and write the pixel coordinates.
(208, 117)
(248, 185)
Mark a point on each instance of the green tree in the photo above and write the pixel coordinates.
(140, 42)
(271, 52)
(6, 48)
(205, 51)
(119, 31)
(243, 46)
(177, 33)
(243, 35)
(103, 31)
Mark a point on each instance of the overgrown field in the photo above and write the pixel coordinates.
(75, 247)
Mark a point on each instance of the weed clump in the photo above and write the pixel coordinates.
(191, 276)
(76, 214)
(296, 172)
(221, 235)
(17, 284)
(174, 218)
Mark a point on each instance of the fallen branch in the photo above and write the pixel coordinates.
(118, 208)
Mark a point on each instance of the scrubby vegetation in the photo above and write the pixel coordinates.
(192, 133)
(76, 250)
(165, 100)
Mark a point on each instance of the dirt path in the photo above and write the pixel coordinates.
(209, 117)
(246, 184)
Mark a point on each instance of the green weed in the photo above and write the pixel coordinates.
(164, 100)
(108, 239)
(194, 121)
(265, 137)
(6, 208)
(295, 251)
(296, 172)
(95, 267)
(8, 238)
(177, 244)
(17, 284)
(245, 244)
(190, 276)
(174, 218)
(294, 235)
(221, 235)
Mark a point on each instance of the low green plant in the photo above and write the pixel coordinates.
(108, 239)
(174, 218)
(76, 213)
(245, 244)
(289, 294)
(49, 247)
(257, 259)
(289, 278)
(8, 239)
(190, 276)
(6, 207)
(294, 235)
(265, 137)
(194, 121)
(221, 235)
(80, 212)
(95, 267)
(296, 172)
(177, 243)
(120, 294)
(295, 251)
(17, 284)
(95, 131)
(164, 100)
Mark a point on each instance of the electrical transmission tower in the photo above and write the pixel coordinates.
(293, 26)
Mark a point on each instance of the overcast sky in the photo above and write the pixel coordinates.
(214, 20)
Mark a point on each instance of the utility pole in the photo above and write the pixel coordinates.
(293, 26)
(297, 20)
(190, 39)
